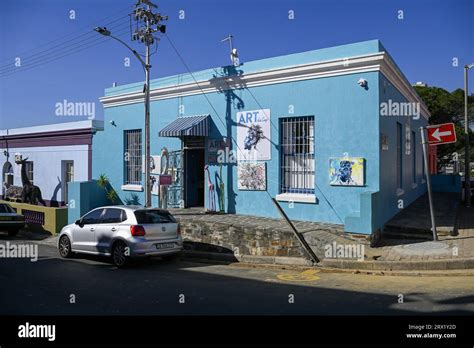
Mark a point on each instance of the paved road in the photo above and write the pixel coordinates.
(155, 288)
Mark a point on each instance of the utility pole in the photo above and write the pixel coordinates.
(151, 24)
(467, 155)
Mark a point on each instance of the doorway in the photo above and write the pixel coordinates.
(194, 174)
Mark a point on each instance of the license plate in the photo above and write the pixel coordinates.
(165, 246)
(6, 218)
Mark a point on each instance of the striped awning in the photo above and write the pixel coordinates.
(197, 125)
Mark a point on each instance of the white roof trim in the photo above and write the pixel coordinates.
(379, 61)
(93, 124)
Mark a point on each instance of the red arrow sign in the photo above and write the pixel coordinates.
(441, 134)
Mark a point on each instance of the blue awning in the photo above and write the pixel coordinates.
(197, 125)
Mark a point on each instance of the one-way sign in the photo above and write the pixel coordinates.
(441, 134)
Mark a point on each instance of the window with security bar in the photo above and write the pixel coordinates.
(297, 155)
(133, 157)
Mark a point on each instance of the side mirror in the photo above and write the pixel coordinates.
(79, 223)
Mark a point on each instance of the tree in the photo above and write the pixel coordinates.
(446, 107)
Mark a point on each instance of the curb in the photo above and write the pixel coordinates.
(337, 265)
(248, 259)
(436, 265)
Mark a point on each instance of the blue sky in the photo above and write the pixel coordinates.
(423, 43)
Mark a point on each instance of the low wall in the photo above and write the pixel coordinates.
(38, 217)
(238, 240)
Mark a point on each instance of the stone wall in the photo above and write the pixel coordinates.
(222, 237)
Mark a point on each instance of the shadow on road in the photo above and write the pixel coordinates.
(156, 288)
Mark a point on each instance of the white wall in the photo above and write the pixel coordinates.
(47, 166)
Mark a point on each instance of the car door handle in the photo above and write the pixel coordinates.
(92, 229)
(113, 229)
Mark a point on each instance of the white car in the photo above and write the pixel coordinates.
(122, 232)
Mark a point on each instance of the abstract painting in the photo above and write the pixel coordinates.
(252, 176)
(346, 171)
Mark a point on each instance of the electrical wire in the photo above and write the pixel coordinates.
(217, 114)
(86, 26)
(60, 50)
(70, 52)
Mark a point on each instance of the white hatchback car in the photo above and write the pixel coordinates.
(122, 232)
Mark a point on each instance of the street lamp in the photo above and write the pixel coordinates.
(104, 31)
(146, 67)
(467, 157)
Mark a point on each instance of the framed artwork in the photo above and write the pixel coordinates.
(254, 135)
(252, 176)
(347, 171)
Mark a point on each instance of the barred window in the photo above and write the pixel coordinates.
(133, 157)
(297, 155)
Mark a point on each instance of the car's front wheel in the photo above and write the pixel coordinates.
(65, 247)
(120, 254)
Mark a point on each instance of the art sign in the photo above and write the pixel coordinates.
(216, 146)
(253, 135)
(251, 176)
(346, 171)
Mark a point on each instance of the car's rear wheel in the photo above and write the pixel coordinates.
(65, 247)
(120, 254)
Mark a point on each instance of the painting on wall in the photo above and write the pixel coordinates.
(252, 176)
(346, 171)
(254, 135)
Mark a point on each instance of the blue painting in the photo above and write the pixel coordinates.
(346, 171)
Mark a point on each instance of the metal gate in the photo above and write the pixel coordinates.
(176, 189)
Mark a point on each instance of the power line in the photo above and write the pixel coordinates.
(60, 46)
(69, 34)
(217, 114)
(49, 53)
(52, 59)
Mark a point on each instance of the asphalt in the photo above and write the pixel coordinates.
(181, 287)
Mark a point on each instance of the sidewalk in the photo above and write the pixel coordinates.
(449, 252)
(256, 240)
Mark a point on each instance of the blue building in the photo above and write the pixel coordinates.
(333, 134)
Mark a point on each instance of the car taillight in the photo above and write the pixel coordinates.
(137, 230)
(179, 230)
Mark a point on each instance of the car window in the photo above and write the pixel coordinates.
(153, 217)
(113, 215)
(5, 208)
(92, 217)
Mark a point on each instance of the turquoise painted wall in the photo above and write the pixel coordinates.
(346, 121)
(83, 197)
(391, 203)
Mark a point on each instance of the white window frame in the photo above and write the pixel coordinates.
(132, 160)
(297, 159)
